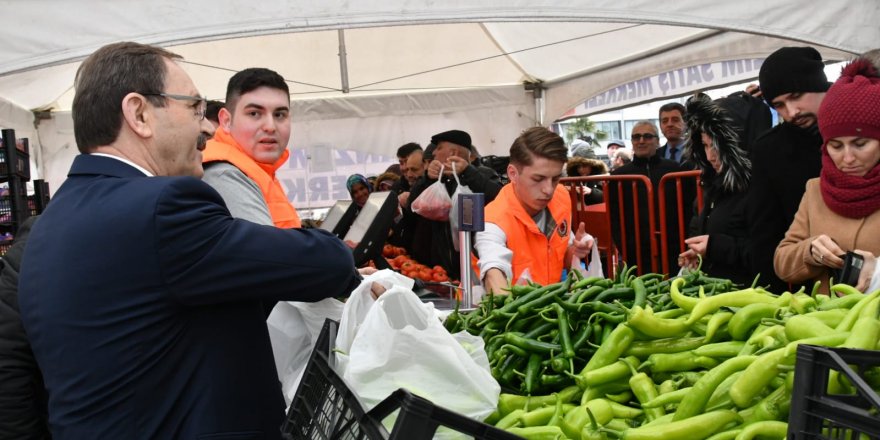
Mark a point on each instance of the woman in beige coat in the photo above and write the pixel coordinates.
(840, 210)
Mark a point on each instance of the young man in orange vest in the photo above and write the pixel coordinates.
(528, 233)
(249, 146)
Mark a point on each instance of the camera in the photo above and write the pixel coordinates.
(852, 267)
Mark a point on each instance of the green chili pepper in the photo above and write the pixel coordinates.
(510, 420)
(533, 372)
(538, 432)
(586, 294)
(600, 391)
(673, 397)
(586, 282)
(611, 350)
(644, 389)
(609, 373)
(621, 397)
(670, 314)
(747, 318)
(643, 349)
(841, 302)
(720, 398)
(667, 386)
(768, 429)
(726, 435)
(525, 298)
(575, 420)
(684, 302)
(803, 326)
(623, 411)
(720, 349)
(616, 293)
(715, 322)
(802, 303)
(544, 415)
(696, 427)
(531, 345)
(683, 361)
(740, 298)
(641, 293)
(831, 318)
(644, 321)
(564, 331)
(850, 319)
(756, 377)
(773, 407)
(507, 403)
(864, 336)
(591, 431)
(543, 299)
(695, 402)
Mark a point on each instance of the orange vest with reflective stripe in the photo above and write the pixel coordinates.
(223, 148)
(544, 258)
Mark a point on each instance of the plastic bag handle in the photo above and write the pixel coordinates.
(454, 174)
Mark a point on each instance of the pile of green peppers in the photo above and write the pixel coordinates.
(538, 337)
(717, 366)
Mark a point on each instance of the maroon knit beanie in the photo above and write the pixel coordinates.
(852, 105)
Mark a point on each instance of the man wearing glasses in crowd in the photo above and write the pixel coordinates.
(647, 162)
(141, 295)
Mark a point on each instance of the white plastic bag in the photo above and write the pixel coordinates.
(401, 344)
(293, 329)
(453, 212)
(434, 202)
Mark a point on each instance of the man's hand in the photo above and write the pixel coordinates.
(434, 169)
(403, 199)
(495, 281)
(583, 242)
(455, 165)
(698, 244)
(689, 259)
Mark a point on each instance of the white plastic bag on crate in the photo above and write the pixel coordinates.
(401, 344)
(293, 329)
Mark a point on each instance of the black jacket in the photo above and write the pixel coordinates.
(431, 241)
(23, 399)
(724, 219)
(654, 168)
(783, 159)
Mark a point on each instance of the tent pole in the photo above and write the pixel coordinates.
(343, 61)
(537, 90)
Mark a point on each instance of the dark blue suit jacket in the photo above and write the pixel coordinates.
(142, 299)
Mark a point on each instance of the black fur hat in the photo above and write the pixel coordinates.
(733, 123)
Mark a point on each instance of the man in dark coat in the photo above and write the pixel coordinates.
(432, 243)
(793, 82)
(647, 162)
(23, 404)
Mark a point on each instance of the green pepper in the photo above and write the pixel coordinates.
(609, 373)
(773, 407)
(669, 398)
(756, 377)
(850, 319)
(667, 386)
(668, 345)
(683, 361)
(544, 415)
(621, 397)
(718, 319)
(831, 318)
(510, 420)
(508, 403)
(740, 298)
(682, 301)
(531, 345)
(623, 411)
(747, 318)
(720, 398)
(524, 298)
(802, 303)
(841, 302)
(574, 420)
(803, 327)
(600, 391)
(591, 431)
(617, 293)
(586, 294)
(695, 402)
(768, 429)
(611, 349)
(564, 331)
(538, 432)
(644, 321)
(545, 298)
(695, 427)
(720, 349)
(726, 435)
(641, 293)
(644, 389)
(864, 336)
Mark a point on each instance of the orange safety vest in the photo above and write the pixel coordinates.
(531, 249)
(223, 148)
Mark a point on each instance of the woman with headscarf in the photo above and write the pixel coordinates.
(840, 210)
(720, 133)
(359, 189)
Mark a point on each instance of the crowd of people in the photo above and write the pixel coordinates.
(160, 332)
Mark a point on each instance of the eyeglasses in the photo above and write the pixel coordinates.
(646, 136)
(201, 108)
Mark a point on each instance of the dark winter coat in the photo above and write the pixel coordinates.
(597, 167)
(783, 159)
(23, 399)
(731, 123)
(654, 168)
(431, 241)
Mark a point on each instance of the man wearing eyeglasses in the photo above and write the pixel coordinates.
(249, 146)
(140, 294)
(647, 162)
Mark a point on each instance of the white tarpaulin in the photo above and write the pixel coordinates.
(412, 68)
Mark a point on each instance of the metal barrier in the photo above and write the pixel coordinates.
(678, 177)
(597, 218)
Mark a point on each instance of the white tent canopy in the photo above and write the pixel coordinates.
(411, 68)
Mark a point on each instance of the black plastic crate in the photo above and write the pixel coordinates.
(815, 414)
(324, 407)
(14, 156)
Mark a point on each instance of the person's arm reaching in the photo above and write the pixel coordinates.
(496, 260)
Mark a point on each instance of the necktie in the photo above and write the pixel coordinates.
(672, 152)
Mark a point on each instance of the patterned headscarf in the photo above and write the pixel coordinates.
(357, 178)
